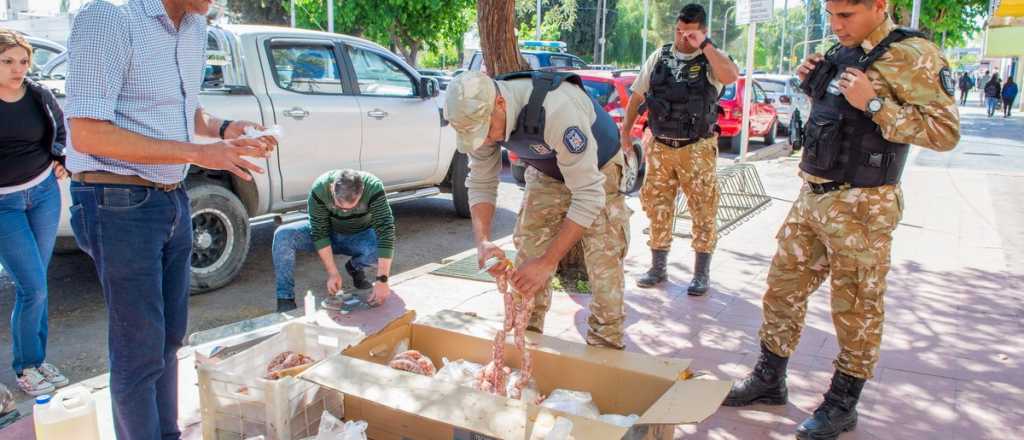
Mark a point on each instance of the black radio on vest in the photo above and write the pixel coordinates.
(527, 139)
(842, 143)
(682, 101)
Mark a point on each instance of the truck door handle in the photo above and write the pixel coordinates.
(296, 112)
(377, 113)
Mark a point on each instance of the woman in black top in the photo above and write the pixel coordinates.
(31, 150)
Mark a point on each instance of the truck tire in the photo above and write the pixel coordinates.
(220, 235)
(460, 194)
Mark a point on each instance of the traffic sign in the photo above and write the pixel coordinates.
(754, 11)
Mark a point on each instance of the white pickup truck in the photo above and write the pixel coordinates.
(342, 102)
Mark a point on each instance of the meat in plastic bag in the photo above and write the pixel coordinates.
(331, 428)
(460, 372)
(577, 403)
(413, 362)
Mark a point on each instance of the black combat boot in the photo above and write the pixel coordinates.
(656, 274)
(766, 384)
(701, 276)
(837, 414)
(358, 277)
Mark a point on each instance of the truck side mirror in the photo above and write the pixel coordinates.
(429, 87)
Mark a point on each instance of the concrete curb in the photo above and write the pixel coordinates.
(774, 151)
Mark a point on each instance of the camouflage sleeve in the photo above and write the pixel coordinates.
(484, 167)
(567, 130)
(922, 113)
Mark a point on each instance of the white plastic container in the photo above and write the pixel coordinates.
(70, 413)
(237, 403)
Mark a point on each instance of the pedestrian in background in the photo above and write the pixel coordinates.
(993, 93)
(966, 84)
(1009, 95)
(982, 80)
(31, 151)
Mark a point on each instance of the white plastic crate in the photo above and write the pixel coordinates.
(237, 403)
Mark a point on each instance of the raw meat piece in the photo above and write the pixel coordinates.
(284, 361)
(413, 362)
(518, 308)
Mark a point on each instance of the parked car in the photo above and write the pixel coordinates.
(764, 121)
(611, 90)
(538, 60)
(791, 104)
(443, 79)
(342, 102)
(43, 52)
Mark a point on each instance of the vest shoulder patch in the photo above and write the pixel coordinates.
(948, 84)
(574, 139)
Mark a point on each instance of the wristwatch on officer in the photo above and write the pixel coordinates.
(382, 278)
(874, 106)
(707, 41)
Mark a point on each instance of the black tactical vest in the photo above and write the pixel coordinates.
(683, 103)
(842, 143)
(527, 139)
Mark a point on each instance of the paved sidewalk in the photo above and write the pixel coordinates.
(951, 363)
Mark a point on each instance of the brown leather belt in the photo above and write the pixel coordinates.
(104, 178)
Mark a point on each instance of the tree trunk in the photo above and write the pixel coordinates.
(496, 22)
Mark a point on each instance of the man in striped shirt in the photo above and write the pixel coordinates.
(349, 215)
(134, 74)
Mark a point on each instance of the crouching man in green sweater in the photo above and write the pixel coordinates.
(348, 215)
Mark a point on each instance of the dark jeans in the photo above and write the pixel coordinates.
(963, 97)
(28, 229)
(1007, 107)
(288, 239)
(140, 240)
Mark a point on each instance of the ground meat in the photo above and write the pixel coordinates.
(518, 308)
(285, 361)
(413, 362)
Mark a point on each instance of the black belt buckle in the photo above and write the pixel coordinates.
(827, 187)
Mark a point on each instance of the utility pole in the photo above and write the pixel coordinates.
(915, 16)
(604, 24)
(538, 20)
(291, 8)
(330, 16)
(647, 10)
(597, 25)
(711, 18)
(807, 25)
(782, 41)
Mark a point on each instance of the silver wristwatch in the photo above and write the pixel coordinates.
(874, 106)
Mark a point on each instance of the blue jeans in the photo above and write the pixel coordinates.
(28, 229)
(993, 104)
(288, 239)
(140, 240)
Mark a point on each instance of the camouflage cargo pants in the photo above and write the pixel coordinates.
(692, 169)
(848, 235)
(604, 244)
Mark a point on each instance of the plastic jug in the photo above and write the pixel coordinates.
(71, 413)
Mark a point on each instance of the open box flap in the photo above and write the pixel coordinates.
(663, 367)
(688, 401)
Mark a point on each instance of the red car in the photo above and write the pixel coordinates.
(764, 121)
(611, 89)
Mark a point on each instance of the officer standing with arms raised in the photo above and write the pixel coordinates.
(681, 83)
(879, 90)
(572, 184)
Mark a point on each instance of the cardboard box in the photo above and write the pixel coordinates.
(402, 405)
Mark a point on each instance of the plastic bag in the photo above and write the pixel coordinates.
(531, 394)
(619, 420)
(579, 403)
(562, 430)
(460, 372)
(331, 428)
(276, 131)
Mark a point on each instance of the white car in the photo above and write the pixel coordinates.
(792, 105)
(342, 102)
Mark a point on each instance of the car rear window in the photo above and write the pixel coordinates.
(601, 91)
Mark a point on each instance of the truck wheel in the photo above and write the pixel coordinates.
(773, 131)
(518, 172)
(220, 236)
(460, 194)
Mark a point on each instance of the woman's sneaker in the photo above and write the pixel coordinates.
(52, 375)
(33, 383)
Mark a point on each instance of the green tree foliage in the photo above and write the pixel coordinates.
(958, 19)
(273, 12)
